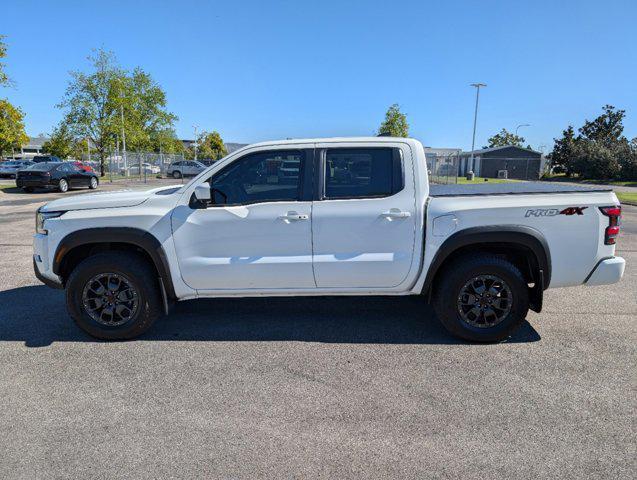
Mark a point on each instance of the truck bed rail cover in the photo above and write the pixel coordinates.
(509, 188)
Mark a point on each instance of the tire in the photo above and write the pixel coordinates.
(93, 183)
(176, 174)
(455, 305)
(63, 185)
(130, 269)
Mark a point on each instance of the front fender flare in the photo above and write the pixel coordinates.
(133, 236)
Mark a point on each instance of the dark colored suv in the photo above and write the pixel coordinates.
(60, 175)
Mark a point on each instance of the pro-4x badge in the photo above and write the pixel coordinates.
(551, 212)
(573, 211)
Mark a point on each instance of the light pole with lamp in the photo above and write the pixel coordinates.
(195, 144)
(521, 125)
(475, 120)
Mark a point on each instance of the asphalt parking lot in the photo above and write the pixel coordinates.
(333, 388)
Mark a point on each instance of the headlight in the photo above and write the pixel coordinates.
(41, 217)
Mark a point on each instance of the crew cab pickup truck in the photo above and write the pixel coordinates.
(357, 218)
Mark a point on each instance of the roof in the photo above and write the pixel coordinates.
(374, 139)
(442, 151)
(36, 141)
(493, 149)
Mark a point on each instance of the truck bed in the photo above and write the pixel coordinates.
(509, 188)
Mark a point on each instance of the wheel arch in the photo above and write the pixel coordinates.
(80, 244)
(521, 241)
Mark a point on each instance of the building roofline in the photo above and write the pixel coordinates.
(493, 149)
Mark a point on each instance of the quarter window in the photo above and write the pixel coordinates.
(261, 177)
(362, 172)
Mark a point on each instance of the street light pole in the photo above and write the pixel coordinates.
(195, 144)
(521, 125)
(475, 119)
(121, 111)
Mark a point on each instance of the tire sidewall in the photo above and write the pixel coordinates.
(452, 319)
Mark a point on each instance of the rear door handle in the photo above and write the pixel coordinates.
(294, 216)
(395, 213)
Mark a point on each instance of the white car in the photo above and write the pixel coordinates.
(482, 254)
(146, 168)
(185, 168)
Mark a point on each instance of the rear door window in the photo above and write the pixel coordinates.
(362, 172)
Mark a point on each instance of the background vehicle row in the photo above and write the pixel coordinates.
(57, 175)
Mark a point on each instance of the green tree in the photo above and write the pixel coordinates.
(594, 160)
(395, 124)
(606, 129)
(144, 105)
(165, 140)
(63, 144)
(4, 78)
(505, 138)
(12, 133)
(599, 151)
(94, 101)
(211, 146)
(564, 151)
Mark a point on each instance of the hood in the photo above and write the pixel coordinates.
(121, 198)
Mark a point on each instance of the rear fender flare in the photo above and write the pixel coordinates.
(522, 235)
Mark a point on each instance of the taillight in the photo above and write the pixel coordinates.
(614, 215)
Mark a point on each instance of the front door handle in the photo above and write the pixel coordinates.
(294, 216)
(395, 213)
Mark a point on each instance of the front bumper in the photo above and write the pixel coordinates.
(607, 271)
(41, 264)
(45, 280)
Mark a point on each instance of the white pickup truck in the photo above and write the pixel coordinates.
(356, 216)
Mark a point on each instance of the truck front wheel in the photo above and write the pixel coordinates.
(481, 298)
(113, 296)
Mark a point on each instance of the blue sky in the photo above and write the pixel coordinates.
(267, 69)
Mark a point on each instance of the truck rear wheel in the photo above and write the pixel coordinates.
(481, 298)
(113, 296)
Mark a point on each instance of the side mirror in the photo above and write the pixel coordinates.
(202, 193)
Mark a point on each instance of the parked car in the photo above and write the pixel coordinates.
(482, 254)
(82, 166)
(447, 169)
(10, 169)
(58, 175)
(185, 168)
(45, 158)
(147, 168)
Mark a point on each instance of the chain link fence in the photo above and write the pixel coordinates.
(443, 168)
(135, 165)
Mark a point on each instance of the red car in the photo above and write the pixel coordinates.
(83, 167)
